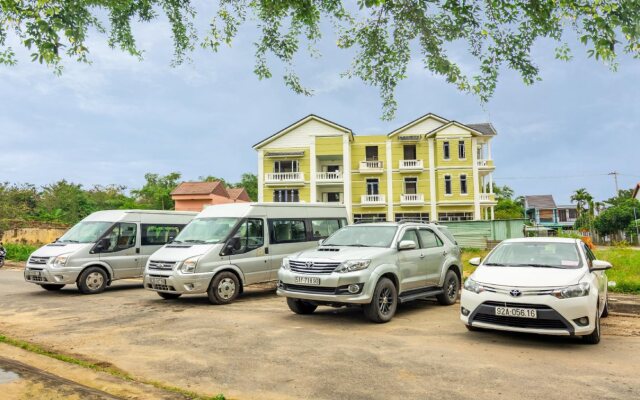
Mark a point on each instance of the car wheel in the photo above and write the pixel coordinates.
(605, 311)
(384, 303)
(594, 337)
(300, 306)
(92, 280)
(51, 287)
(470, 328)
(169, 296)
(224, 288)
(450, 289)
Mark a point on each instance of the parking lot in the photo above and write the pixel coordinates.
(256, 348)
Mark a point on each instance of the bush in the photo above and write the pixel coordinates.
(19, 252)
(626, 268)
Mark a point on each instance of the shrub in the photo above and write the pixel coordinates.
(19, 252)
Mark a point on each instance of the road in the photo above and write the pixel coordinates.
(257, 349)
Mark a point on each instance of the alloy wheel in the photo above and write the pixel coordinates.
(94, 280)
(226, 288)
(385, 301)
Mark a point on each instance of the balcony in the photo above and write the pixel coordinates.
(412, 199)
(411, 165)
(284, 178)
(372, 200)
(329, 178)
(487, 198)
(371, 167)
(485, 164)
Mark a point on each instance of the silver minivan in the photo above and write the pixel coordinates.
(229, 246)
(103, 247)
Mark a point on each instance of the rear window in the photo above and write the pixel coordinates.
(448, 234)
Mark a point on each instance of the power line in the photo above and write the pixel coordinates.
(615, 178)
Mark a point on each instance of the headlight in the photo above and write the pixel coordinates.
(59, 261)
(188, 266)
(353, 265)
(473, 286)
(285, 264)
(579, 290)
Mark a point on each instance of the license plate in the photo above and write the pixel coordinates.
(34, 274)
(516, 312)
(307, 280)
(158, 281)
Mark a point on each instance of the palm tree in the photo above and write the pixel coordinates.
(582, 198)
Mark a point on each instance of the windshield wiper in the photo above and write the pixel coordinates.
(331, 244)
(68, 241)
(356, 245)
(495, 264)
(195, 241)
(537, 266)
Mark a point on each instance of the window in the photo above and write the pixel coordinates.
(423, 217)
(122, 236)
(463, 184)
(157, 235)
(285, 166)
(461, 150)
(372, 186)
(333, 168)
(411, 234)
(323, 228)
(429, 239)
(360, 218)
(249, 236)
(286, 196)
(455, 216)
(410, 185)
(573, 214)
(447, 184)
(288, 231)
(562, 215)
(445, 151)
(333, 197)
(207, 230)
(410, 152)
(371, 153)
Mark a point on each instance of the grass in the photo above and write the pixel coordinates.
(108, 369)
(467, 254)
(19, 252)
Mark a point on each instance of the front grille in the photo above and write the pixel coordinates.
(309, 289)
(313, 267)
(38, 260)
(162, 265)
(520, 322)
(519, 305)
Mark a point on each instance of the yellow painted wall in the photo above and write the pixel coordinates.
(358, 149)
(397, 151)
(329, 146)
(454, 160)
(455, 184)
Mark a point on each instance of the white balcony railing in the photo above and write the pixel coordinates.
(284, 177)
(329, 177)
(484, 163)
(487, 197)
(372, 199)
(412, 199)
(411, 164)
(371, 166)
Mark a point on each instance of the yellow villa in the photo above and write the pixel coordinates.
(431, 169)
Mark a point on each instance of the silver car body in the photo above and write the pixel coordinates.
(413, 271)
(124, 263)
(163, 272)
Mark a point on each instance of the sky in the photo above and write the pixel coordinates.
(118, 118)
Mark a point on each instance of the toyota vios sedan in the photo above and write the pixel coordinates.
(550, 286)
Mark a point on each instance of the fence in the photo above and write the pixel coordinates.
(485, 234)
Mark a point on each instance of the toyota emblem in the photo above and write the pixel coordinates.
(515, 293)
(309, 264)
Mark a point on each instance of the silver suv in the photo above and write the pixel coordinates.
(375, 266)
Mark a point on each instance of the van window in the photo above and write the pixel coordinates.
(122, 236)
(323, 228)
(429, 239)
(159, 234)
(288, 231)
(249, 236)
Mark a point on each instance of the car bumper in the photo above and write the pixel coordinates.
(177, 283)
(332, 288)
(554, 316)
(43, 275)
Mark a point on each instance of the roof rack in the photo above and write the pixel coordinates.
(413, 221)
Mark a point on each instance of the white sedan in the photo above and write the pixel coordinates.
(550, 286)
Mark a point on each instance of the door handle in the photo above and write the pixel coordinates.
(266, 250)
(137, 250)
(444, 253)
(422, 255)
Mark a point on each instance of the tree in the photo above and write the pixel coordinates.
(64, 202)
(583, 201)
(17, 201)
(156, 192)
(383, 35)
(250, 183)
(616, 218)
(507, 207)
(111, 197)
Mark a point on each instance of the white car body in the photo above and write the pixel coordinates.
(526, 288)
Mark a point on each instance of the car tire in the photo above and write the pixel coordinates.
(605, 311)
(451, 289)
(471, 328)
(300, 306)
(224, 288)
(594, 337)
(51, 287)
(169, 296)
(92, 280)
(384, 303)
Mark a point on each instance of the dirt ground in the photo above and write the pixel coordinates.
(257, 349)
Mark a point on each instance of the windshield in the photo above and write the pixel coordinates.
(85, 232)
(535, 254)
(206, 230)
(362, 236)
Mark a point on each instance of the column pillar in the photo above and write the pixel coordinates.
(389, 169)
(489, 150)
(312, 177)
(476, 181)
(491, 182)
(260, 176)
(346, 175)
(433, 214)
(493, 214)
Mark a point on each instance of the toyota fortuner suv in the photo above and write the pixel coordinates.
(375, 266)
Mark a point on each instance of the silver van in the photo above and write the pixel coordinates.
(103, 247)
(229, 246)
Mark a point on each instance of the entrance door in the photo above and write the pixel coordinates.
(410, 152)
(371, 153)
(122, 253)
(248, 251)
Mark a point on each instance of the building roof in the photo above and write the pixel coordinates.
(298, 123)
(544, 201)
(202, 188)
(455, 123)
(417, 121)
(569, 206)
(238, 194)
(486, 128)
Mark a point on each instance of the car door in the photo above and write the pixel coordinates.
(122, 250)
(248, 250)
(599, 276)
(434, 256)
(410, 263)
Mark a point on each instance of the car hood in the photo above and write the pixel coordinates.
(175, 252)
(56, 249)
(527, 276)
(342, 253)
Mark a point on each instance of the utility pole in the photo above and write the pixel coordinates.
(615, 177)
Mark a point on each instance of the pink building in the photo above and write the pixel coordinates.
(193, 196)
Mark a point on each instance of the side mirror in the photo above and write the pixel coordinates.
(406, 245)
(171, 239)
(320, 242)
(599, 265)
(475, 261)
(101, 245)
